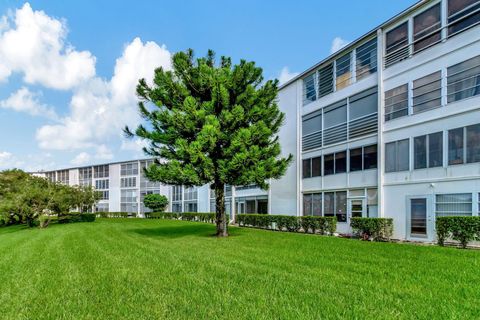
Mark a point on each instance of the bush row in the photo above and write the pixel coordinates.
(309, 224)
(372, 228)
(208, 217)
(461, 229)
(115, 214)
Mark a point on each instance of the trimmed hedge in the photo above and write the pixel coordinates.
(115, 214)
(461, 229)
(208, 217)
(309, 224)
(372, 228)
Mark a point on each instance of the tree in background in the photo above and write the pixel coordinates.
(24, 198)
(155, 202)
(212, 124)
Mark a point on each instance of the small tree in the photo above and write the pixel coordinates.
(213, 124)
(156, 202)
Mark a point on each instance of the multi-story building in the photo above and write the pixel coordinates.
(389, 126)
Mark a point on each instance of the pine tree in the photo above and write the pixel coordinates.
(211, 123)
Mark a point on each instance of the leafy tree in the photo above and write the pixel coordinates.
(156, 202)
(212, 124)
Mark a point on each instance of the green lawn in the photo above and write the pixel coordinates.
(152, 269)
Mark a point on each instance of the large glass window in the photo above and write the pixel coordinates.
(316, 167)
(341, 206)
(397, 44)
(312, 204)
(420, 152)
(427, 28)
(473, 143)
(455, 146)
(325, 80)
(101, 171)
(427, 92)
(456, 204)
(366, 56)
(462, 14)
(309, 91)
(396, 102)
(344, 73)
(307, 172)
(463, 80)
(397, 156)
(370, 157)
(312, 123)
(435, 150)
(335, 116)
(129, 169)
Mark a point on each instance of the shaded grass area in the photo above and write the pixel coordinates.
(163, 269)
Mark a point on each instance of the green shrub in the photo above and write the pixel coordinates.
(461, 229)
(373, 228)
(114, 214)
(208, 217)
(325, 225)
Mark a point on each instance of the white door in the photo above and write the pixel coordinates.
(419, 220)
(356, 208)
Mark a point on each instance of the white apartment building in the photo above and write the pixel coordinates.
(389, 126)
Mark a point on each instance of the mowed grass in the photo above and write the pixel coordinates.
(159, 269)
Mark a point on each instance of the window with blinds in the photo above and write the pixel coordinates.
(455, 204)
(427, 92)
(366, 58)
(396, 102)
(463, 80)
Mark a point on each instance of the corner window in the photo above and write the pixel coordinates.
(462, 14)
(427, 28)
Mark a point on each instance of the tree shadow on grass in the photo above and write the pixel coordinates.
(14, 228)
(194, 229)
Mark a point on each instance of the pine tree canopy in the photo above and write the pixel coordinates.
(211, 123)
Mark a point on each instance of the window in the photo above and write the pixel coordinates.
(420, 152)
(312, 204)
(463, 80)
(312, 131)
(356, 159)
(190, 207)
(307, 172)
(455, 146)
(176, 193)
(397, 44)
(344, 73)
(370, 157)
(456, 204)
(363, 158)
(396, 102)
(341, 162)
(427, 92)
(427, 28)
(101, 207)
(176, 207)
(63, 176)
(190, 194)
(316, 167)
(325, 80)
(130, 182)
(335, 123)
(309, 91)
(101, 171)
(129, 169)
(363, 113)
(128, 196)
(328, 164)
(372, 203)
(104, 195)
(366, 56)
(101, 184)
(462, 14)
(473, 143)
(397, 156)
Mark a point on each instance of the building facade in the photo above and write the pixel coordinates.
(389, 126)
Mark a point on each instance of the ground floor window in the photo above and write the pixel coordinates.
(256, 204)
(176, 207)
(228, 205)
(335, 205)
(101, 207)
(312, 204)
(191, 206)
(454, 204)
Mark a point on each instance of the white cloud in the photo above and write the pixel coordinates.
(103, 153)
(99, 108)
(81, 159)
(35, 46)
(24, 100)
(337, 44)
(286, 75)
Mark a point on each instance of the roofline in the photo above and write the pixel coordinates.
(93, 165)
(400, 15)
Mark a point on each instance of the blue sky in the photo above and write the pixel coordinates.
(68, 68)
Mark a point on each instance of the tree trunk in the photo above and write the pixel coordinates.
(221, 219)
